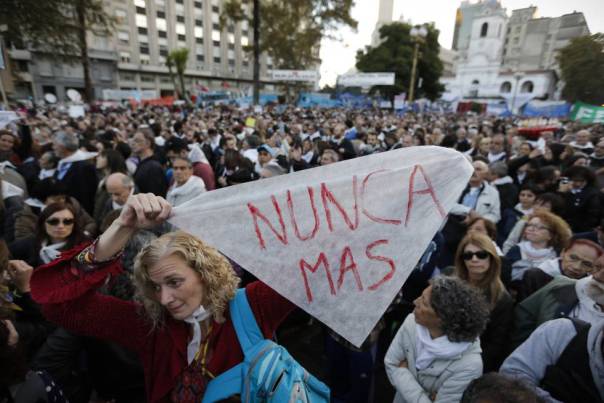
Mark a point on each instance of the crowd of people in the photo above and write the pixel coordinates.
(102, 300)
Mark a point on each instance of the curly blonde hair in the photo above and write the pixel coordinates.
(216, 273)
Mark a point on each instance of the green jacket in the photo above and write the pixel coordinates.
(555, 300)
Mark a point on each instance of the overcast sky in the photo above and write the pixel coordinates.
(339, 56)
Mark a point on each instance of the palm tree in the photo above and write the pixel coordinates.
(178, 59)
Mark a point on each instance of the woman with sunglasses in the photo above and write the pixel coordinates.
(477, 263)
(545, 236)
(57, 230)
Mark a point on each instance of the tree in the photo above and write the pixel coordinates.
(178, 59)
(582, 67)
(290, 32)
(57, 28)
(395, 54)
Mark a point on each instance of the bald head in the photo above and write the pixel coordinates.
(481, 170)
(119, 186)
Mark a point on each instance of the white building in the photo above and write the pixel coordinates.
(385, 15)
(490, 68)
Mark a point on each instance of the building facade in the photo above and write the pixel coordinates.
(510, 58)
(134, 57)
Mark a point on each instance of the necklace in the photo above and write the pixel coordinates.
(203, 349)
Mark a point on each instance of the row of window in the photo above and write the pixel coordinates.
(527, 87)
(145, 59)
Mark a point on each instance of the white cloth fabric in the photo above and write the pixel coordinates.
(496, 157)
(46, 173)
(429, 349)
(551, 267)
(48, 253)
(530, 257)
(196, 154)
(78, 156)
(586, 310)
(178, 195)
(10, 190)
(523, 211)
(199, 315)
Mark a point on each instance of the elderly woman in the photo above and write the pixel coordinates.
(436, 352)
(545, 236)
(182, 331)
(477, 262)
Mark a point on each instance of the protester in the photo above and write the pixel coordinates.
(582, 198)
(436, 352)
(563, 359)
(179, 280)
(149, 176)
(186, 186)
(498, 388)
(478, 263)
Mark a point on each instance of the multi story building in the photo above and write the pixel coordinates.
(385, 16)
(134, 57)
(511, 58)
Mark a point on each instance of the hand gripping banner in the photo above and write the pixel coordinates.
(340, 240)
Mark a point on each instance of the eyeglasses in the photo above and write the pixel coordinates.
(537, 226)
(481, 254)
(586, 264)
(56, 221)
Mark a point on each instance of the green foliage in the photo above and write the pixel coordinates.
(291, 31)
(178, 59)
(56, 27)
(582, 66)
(395, 54)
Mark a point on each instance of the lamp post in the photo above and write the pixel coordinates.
(418, 34)
(517, 76)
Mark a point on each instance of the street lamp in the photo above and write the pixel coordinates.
(418, 34)
(517, 76)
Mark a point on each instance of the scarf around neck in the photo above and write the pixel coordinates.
(535, 256)
(428, 349)
(194, 319)
(48, 253)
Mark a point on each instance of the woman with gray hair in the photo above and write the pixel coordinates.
(436, 352)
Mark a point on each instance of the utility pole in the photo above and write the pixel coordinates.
(256, 52)
(413, 72)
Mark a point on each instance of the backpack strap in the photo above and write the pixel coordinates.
(230, 383)
(244, 322)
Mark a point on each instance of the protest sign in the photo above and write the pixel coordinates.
(366, 79)
(6, 117)
(76, 111)
(587, 114)
(295, 75)
(339, 240)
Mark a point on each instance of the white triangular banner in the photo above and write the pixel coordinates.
(340, 240)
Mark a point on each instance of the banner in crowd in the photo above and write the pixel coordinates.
(295, 75)
(366, 79)
(586, 113)
(340, 240)
(6, 117)
(548, 109)
(118, 95)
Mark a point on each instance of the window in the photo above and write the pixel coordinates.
(144, 50)
(179, 1)
(127, 77)
(163, 51)
(180, 18)
(161, 14)
(506, 87)
(160, 3)
(144, 39)
(231, 62)
(140, 3)
(216, 35)
(231, 46)
(527, 87)
(160, 24)
(199, 41)
(217, 60)
(49, 89)
(231, 28)
(182, 38)
(125, 57)
(141, 21)
(140, 10)
(216, 43)
(121, 15)
(142, 31)
(216, 9)
(147, 79)
(246, 64)
(162, 34)
(198, 23)
(198, 32)
(216, 26)
(201, 58)
(180, 29)
(244, 41)
(198, 4)
(484, 30)
(22, 66)
(124, 37)
(145, 59)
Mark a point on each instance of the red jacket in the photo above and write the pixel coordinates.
(68, 298)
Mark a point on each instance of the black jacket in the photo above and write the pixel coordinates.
(81, 182)
(582, 209)
(495, 337)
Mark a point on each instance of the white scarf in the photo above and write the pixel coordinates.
(551, 267)
(199, 315)
(48, 253)
(524, 212)
(535, 256)
(428, 349)
(78, 156)
(10, 190)
(196, 154)
(192, 188)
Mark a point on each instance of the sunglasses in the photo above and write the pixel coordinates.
(56, 221)
(482, 255)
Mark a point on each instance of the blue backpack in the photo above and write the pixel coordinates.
(268, 372)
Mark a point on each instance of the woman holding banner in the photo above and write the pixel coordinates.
(182, 331)
(436, 352)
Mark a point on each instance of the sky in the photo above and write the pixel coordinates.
(338, 56)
